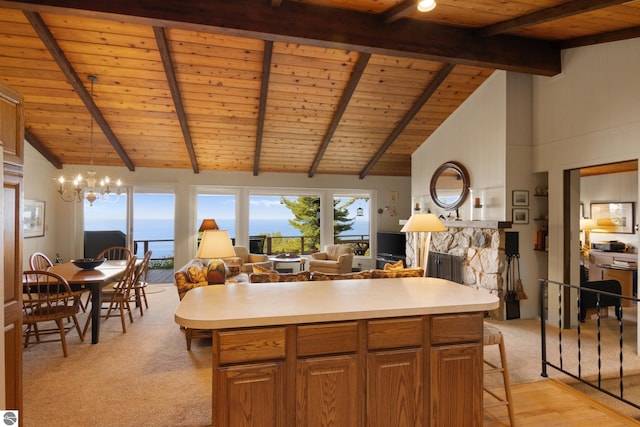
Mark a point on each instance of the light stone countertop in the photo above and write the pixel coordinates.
(267, 304)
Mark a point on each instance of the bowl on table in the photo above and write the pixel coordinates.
(87, 263)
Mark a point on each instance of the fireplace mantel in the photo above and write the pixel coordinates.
(477, 224)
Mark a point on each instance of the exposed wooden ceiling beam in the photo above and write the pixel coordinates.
(430, 90)
(612, 36)
(40, 148)
(264, 91)
(165, 55)
(72, 77)
(399, 11)
(297, 22)
(564, 10)
(358, 69)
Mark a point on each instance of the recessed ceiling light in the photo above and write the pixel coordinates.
(426, 5)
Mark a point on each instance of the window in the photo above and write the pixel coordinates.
(284, 223)
(221, 207)
(351, 221)
(153, 226)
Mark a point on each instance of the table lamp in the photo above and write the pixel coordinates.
(215, 244)
(423, 223)
(586, 225)
(208, 224)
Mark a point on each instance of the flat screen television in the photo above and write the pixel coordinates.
(391, 244)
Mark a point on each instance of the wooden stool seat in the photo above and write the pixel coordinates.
(493, 336)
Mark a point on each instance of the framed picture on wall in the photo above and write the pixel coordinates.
(33, 218)
(520, 216)
(613, 217)
(520, 198)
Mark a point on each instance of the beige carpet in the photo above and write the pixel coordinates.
(146, 377)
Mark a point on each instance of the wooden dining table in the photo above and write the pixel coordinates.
(94, 280)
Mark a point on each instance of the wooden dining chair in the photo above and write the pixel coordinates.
(39, 261)
(48, 297)
(117, 296)
(115, 253)
(140, 283)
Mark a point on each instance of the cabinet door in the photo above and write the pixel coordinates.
(327, 392)
(456, 385)
(394, 388)
(11, 125)
(249, 396)
(12, 197)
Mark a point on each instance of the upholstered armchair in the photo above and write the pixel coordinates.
(334, 259)
(248, 260)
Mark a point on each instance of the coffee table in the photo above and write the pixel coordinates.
(287, 259)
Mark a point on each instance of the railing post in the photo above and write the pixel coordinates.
(543, 327)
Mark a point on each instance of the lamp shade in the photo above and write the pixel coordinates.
(422, 222)
(587, 224)
(208, 224)
(215, 244)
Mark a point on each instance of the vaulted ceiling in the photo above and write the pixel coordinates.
(347, 87)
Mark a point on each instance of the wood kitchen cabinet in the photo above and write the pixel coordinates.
(327, 392)
(355, 353)
(394, 388)
(403, 371)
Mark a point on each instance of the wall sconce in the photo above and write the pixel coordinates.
(392, 210)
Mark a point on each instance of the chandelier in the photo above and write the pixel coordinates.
(72, 189)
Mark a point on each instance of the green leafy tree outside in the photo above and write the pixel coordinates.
(305, 211)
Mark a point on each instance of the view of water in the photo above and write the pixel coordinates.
(158, 229)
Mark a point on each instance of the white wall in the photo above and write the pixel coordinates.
(473, 135)
(588, 115)
(63, 221)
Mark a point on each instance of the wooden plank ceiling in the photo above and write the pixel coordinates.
(347, 87)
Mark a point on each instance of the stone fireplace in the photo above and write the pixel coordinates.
(481, 245)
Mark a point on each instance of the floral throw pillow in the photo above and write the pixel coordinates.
(395, 266)
(259, 269)
(345, 276)
(405, 272)
(196, 274)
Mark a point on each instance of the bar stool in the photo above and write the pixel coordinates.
(493, 336)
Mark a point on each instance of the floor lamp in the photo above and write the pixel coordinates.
(423, 223)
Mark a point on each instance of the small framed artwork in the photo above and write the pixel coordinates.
(520, 198)
(520, 216)
(393, 197)
(33, 218)
(613, 217)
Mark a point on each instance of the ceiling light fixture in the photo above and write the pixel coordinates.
(76, 192)
(426, 5)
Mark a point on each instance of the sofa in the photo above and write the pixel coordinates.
(303, 276)
(197, 271)
(336, 259)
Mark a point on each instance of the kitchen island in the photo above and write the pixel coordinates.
(368, 352)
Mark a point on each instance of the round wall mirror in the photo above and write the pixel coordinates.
(450, 185)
